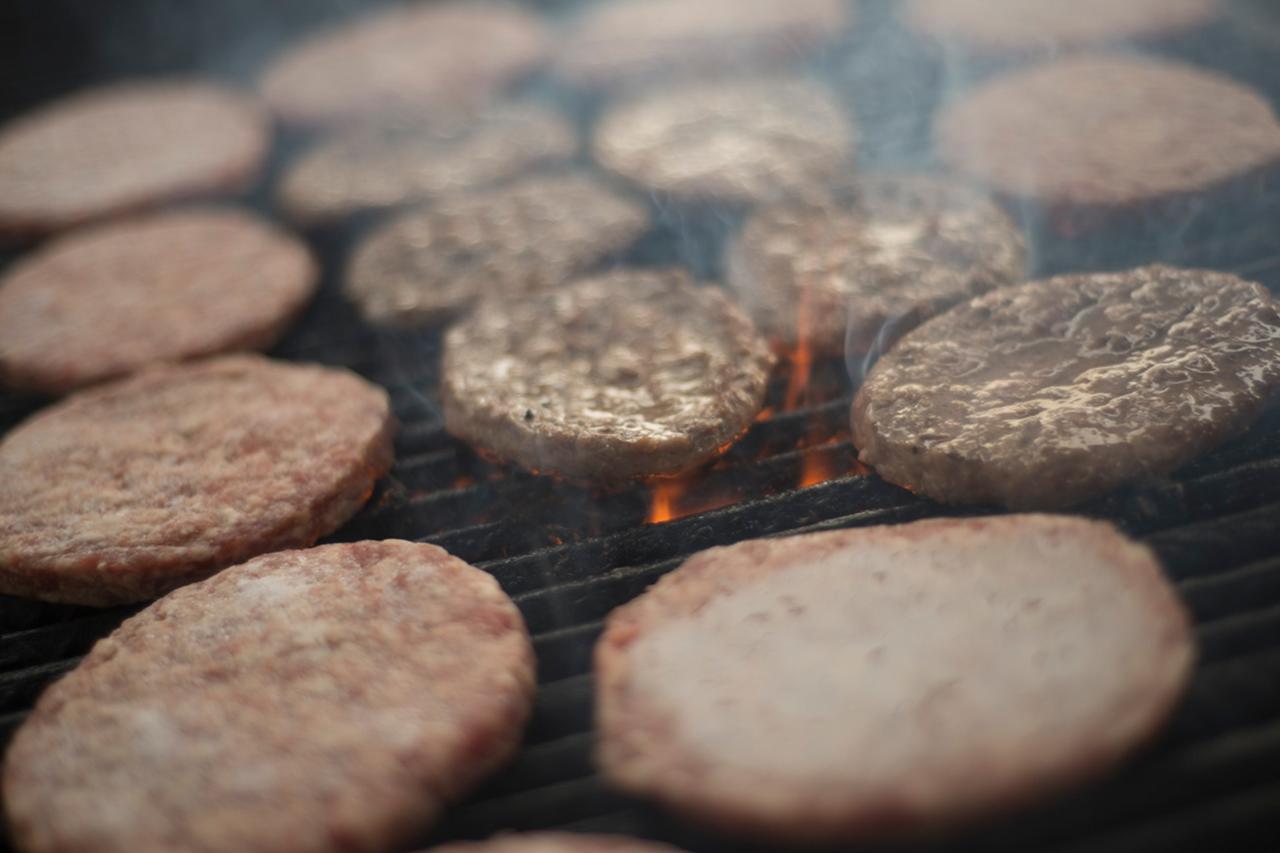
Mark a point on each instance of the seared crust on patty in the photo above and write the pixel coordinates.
(104, 301)
(392, 164)
(1087, 140)
(124, 491)
(629, 374)
(433, 264)
(737, 142)
(627, 43)
(838, 685)
(331, 699)
(123, 147)
(1051, 393)
(887, 250)
(410, 60)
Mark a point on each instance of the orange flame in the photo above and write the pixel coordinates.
(816, 468)
(662, 500)
(801, 357)
(676, 497)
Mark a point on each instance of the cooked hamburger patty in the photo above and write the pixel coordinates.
(124, 491)
(107, 300)
(1051, 393)
(1109, 134)
(122, 147)
(394, 164)
(555, 842)
(629, 374)
(836, 685)
(887, 250)
(409, 60)
(737, 142)
(1002, 28)
(431, 265)
(331, 699)
(629, 42)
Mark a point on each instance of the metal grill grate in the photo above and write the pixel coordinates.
(568, 555)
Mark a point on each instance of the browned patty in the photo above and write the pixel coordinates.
(843, 684)
(119, 148)
(124, 491)
(629, 374)
(418, 58)
(430, 265)
(107, 300)
(555, 842)
(628, 42)
(395, 164)
(738, 142)
(331, 699)
(1086, 138)
(1051, 393)
(887, 251)
(1001, 28)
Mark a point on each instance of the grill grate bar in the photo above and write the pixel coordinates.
(1234, 822)
(1219, 595)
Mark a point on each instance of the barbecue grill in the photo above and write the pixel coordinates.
(569, 554)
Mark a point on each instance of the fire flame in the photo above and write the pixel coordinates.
(800, 358)
(816, 468)
(822, 457)
(664, 493)
(676, 497)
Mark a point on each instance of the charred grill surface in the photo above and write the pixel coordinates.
(568, 555)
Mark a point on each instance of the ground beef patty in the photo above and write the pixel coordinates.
(836, 685)
(127, 490)
(123, 147)
(394, 164)
(104, 301)
(630, 42)
(871, 261)
(431, 265)
(737, 142)
(1084, 139)
(630, 374)
(1003, 28)
(412, 59)
(555, 842)
(330, 699)
(1050, 393)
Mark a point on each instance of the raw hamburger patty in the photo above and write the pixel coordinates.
(125, 491)
(1000, 28)
(1083, 139)
(556, 842)
(331, 699)
(738, 142)
(888, 250)
(625, 375)
(122, 147)
(388, 166)
(107, 300)
(431, 265)
(1050, 393)
(414, 59)
(628, 42)
(840, 684)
